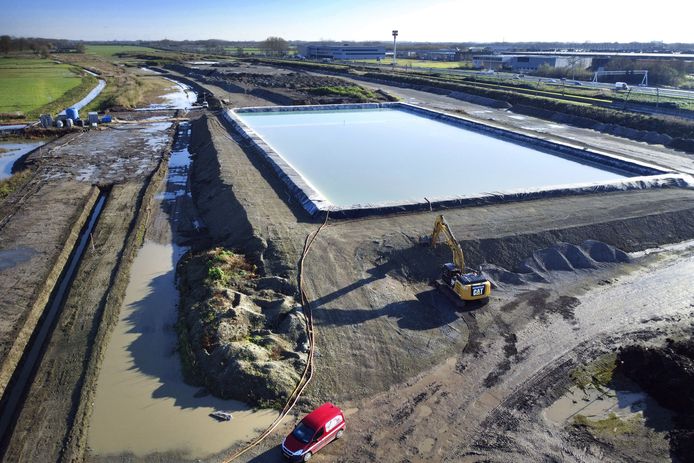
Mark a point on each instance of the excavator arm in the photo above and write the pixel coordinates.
(441, 226)
(454, 281)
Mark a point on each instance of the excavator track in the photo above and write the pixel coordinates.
(449, 293)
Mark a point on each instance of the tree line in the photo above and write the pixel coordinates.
(38, 46)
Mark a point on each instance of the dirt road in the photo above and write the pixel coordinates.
(54, 397)
(379, 326)
(477, 404)
(35, 243)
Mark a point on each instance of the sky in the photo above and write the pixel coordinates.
(417, 20)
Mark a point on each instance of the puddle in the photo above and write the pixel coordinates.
(181, 96)
(4, 128)
(10, 258)
(142, 405)
(597, 405)
(11, 152)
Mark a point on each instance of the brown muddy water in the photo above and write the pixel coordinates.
(597, 404)
(142, 406)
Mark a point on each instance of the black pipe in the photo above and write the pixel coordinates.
(15, 394)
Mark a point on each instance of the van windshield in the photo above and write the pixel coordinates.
(303, 433)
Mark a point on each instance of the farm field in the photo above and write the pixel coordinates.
(108, 51)
(27, 84)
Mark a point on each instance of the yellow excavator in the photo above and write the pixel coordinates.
(454, 282)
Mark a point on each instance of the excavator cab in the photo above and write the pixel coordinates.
(468, 286)
(454, 282)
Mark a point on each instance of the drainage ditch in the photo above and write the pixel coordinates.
(13, 398)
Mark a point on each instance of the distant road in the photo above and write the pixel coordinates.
(661, 91)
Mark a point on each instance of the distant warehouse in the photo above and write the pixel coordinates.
(526, 63)
(342, 52)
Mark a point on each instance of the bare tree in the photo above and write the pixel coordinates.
(5, 44)
(276, 46)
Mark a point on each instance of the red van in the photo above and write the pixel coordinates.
(320, 427)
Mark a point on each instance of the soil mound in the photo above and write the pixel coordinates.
(241, 336)
(563, 257)
(667, 374)
(569, 257)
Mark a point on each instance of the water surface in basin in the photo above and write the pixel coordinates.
(370, 156)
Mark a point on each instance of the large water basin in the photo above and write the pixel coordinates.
(389, 155)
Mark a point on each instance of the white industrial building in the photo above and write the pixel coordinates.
(527, 63)
(342, 52)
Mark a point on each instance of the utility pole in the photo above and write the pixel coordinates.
(395, 49)
(657, 98)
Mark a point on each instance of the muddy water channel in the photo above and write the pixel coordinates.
(10, 152)
(142, 405)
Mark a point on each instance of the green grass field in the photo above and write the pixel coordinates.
(108, 51)
(419, 63)
(28, 84)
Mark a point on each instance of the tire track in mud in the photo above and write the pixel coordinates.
(481, 421)
(564, 348)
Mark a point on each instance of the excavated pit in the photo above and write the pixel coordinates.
(368, 278)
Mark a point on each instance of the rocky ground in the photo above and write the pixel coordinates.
(242, 336)
(280, 86)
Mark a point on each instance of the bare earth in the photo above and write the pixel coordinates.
(380, 327)
(419, 380)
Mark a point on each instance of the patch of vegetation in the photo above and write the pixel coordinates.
(612, 425)
(224, 267)
(596, 374)
(109, 51)
(234, 329)
(13, 183)
(360, 94)
(216, 274)
(31, 86)
(128, 91)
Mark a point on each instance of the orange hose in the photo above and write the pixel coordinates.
(308, 371)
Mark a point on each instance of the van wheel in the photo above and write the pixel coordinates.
(339, 433)
(307, 456)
